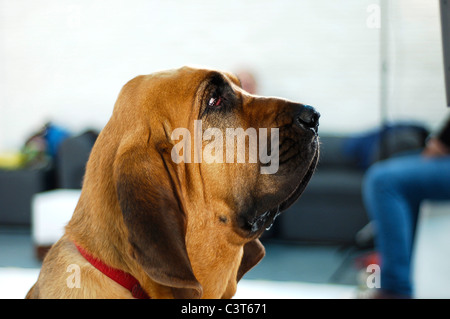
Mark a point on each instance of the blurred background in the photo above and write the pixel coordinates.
(369, 66)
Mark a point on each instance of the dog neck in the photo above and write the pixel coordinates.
(121, 277)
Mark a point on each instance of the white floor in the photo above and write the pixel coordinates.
(261, 289)
(15, 283)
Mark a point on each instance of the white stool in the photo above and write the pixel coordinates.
(431, 257)
(50, 213)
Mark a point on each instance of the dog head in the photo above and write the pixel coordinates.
(201, 168)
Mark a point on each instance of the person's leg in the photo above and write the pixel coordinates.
(393, 190)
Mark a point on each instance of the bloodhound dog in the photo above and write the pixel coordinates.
(148, 225)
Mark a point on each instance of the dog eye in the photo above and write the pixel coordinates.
(215, 101)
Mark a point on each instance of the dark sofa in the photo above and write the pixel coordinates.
(331, 208)
(17, 188)
(73, 155)
(66, 170)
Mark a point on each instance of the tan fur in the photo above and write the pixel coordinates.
(134, 149)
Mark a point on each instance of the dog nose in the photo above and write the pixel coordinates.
(307, 117)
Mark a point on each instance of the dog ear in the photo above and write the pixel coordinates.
(253, 252)
(155, 220)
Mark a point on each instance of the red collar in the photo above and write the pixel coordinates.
(121, 277)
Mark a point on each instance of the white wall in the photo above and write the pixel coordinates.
(66, 61)
(416, 81)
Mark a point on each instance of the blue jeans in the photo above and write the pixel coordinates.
(392, 192)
